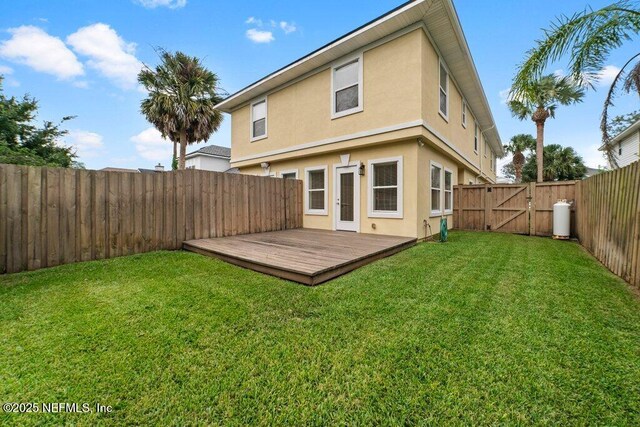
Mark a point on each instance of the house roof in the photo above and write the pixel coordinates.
(443, 25)
(212, 150)
(627, 132)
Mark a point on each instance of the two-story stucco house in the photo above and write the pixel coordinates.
(378, 124)
(626, 146)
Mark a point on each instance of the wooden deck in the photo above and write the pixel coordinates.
(303, 255)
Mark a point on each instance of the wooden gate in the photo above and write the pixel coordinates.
(511, 208)
(508, 208)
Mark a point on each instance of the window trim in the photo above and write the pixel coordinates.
(359, 58)
(431, 187)
(491, 161)
(399, 213)
(442, 65)
(465, 107)
(486, 146)
(476, 137)
(444, 191)
(308, 211)
(295, 171)
(266, 119)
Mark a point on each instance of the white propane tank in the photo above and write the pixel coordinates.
(561, 220)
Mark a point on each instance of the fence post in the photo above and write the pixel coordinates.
(487, 208)
(532, 209)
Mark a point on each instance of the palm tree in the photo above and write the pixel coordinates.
(182, 99)
(560, 164)
(539, 101)
(588, 38)
(517, 146)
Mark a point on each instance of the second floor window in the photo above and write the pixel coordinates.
(347, 88)
(476, 132)
(619, 149)
(259, 119)
(464, 114)
(444, 91)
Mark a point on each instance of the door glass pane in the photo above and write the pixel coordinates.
(291, 175)
(346, 196)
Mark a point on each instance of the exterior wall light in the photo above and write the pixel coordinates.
(361, 169)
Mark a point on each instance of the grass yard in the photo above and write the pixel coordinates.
(486, 329)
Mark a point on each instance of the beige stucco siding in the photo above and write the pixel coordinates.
(405, 226)
(301, 112)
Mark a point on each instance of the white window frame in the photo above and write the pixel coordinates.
(266, 119)
(295, 171)
(445, 191)
(491, 161)
(400, 193)
(359, 57)
(464, 113)
(308, 211)
(438, 165)
(442, 65)
(476, 137)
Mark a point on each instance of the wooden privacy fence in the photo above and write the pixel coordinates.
(609, 220)
(511, 208)
(54, 216)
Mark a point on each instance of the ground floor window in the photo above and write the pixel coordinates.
(292, 174)
(448, 191)
(385, 188)
(316, 190)
(436, 188)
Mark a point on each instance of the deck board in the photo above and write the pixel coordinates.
(304, 255)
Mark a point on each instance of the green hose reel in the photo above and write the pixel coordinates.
(444, 231)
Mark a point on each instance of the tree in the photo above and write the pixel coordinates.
(517, 146)
(539, 101)
(181, 100)
(560, 164)
(588, 38)
(623, 121)
(22, 142)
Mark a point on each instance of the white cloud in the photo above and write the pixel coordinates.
(87, 144)
(591, 156)
(5, 70)
(253, 21)
(108, 53)
(288, 27)
(259, 36)
(82, 84)
(33, 47)
(152, 146)
(171, 4)
(607, 75)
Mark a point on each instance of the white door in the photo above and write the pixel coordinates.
(347, 198)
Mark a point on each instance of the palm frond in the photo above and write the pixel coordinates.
(587, 37)
(604, 120)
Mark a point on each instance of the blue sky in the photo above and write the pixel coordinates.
(81, 58)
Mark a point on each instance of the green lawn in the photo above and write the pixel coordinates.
(486, 329)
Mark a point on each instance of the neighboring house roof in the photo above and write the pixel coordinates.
(110, 169)
(443, 25)
(635, 127)
(232, 170)
(591, 172)
(212, 150)
(143, 170)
